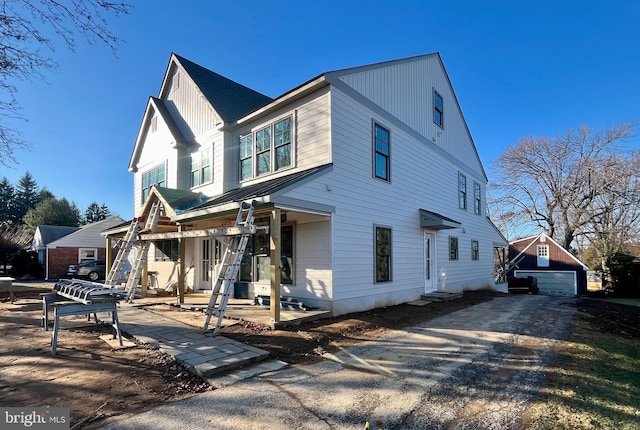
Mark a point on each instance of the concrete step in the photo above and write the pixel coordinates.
(441, 296)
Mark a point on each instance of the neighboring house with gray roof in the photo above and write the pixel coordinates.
(372, 171)
(60, 246)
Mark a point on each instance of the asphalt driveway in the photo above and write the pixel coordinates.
(477, 368)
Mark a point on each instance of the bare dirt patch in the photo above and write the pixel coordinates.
(88, 376)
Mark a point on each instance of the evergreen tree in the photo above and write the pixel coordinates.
(26, 195)
(7, 202)
(94, 213)
(53, 212)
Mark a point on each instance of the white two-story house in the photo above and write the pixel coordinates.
(372, 172)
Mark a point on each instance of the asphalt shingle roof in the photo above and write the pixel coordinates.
(230, 99)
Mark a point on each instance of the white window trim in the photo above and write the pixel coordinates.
(80, 251)
(272, 148)
(201, 167)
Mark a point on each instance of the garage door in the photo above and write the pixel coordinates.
(553, 283)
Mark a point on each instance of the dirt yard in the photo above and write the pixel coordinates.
(101, 384)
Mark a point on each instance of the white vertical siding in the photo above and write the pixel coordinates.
(189, 108)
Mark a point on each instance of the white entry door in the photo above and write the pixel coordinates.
(429, 284)
(206, 264)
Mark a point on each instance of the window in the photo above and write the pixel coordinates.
(263, 151)
(381, 153)
(543, 256)
(475, 250)
(87, 254)
(453, 248)
(438, 109)
(476, 198)
(383, 254)
(166, 250)
(282, 143)
(272, 146)
(155, 176)
(246, 156)
(256, 262)
(201, 168)
(462, 191)
(154, 124)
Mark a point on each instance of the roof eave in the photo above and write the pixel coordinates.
(294, 94)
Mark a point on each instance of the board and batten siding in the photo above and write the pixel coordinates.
(394, 88)
(189, 107)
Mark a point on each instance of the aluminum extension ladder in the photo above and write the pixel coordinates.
(235, 246)
(130, 240)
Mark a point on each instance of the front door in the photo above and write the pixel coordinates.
(204, 272)
(429, 284)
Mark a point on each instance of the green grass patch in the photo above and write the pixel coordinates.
(595, 384)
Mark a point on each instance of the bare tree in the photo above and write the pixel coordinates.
(26, 31)
(557, 184)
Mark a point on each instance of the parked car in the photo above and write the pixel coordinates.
(93, 270)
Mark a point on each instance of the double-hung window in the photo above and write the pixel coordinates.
(453, 248)
(246, 156)
(477, 198)
(462, 191)
(382, 154)
(475, 250)
(155, 176)
(282, 143)
(201, 168)
(383, 254)
(438, 109)
(266, 150)
(263, 151)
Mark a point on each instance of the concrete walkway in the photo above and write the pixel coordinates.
(206, 355)
(478, 368)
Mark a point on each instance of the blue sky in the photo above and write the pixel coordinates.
(518, 69)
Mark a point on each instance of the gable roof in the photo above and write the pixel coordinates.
(333, 78)
(88, 235)
(51, 233)
(543, 237)
(174, 201)
(230, 99)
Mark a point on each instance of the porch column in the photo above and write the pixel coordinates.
(275, 251)
(108, 254)
(145, 277)
(181, 271)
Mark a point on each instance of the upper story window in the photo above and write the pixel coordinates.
(462, 191)
(543, 255)
(382, 153)
(438, 109)
(154, 124)
(155, 176)
(272, 146)
(201, 168)
(477, 198)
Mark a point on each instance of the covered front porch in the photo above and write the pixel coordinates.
(184, 258)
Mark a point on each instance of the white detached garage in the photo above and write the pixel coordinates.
(558, 272)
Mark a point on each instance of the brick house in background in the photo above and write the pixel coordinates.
(59, 246)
